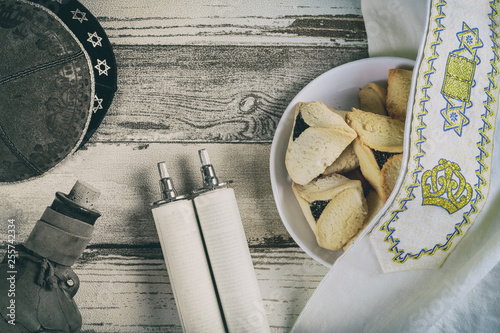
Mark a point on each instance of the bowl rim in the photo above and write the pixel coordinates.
(279, 135)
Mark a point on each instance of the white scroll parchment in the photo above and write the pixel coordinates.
(230, 260)
(187, 267)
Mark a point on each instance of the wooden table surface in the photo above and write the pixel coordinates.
(214, 74)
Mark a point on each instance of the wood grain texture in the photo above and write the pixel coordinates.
(214, 74)
(127, 176)
(130, 292)
(220, 71)
(210, 94)
(231, 22)
(124, 283)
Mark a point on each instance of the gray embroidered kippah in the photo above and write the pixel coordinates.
(57, 79)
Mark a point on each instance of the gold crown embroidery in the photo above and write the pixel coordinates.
(448, 187)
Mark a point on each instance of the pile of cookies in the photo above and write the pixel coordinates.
(344, 164)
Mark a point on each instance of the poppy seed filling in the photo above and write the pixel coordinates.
(300, 126)
(381, 157)
(317, 208)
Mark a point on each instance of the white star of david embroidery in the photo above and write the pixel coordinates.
(79, 15)
(97, 104)
(102, 70)
(94, 39)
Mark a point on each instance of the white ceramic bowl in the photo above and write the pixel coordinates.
(339, 88)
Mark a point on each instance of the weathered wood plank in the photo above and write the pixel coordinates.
(127, 176)
(228, 22)
(125, 286)
(192, 75)
(207, 93)
(132, 293)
